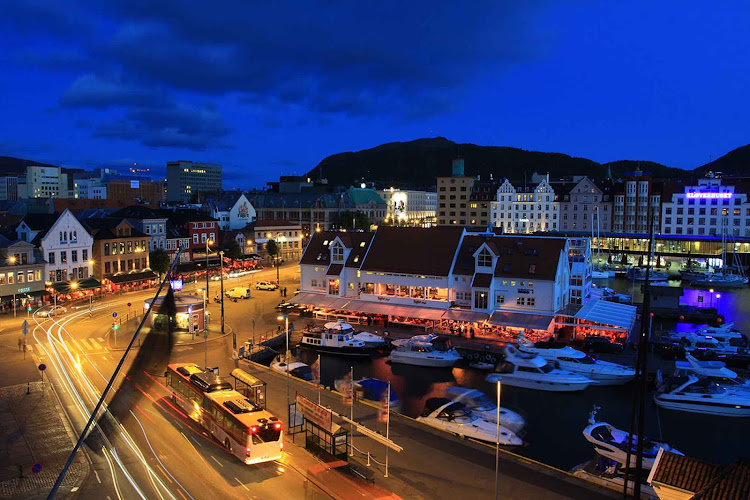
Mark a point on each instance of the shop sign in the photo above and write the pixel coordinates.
(315, 413)
(384, 299)
(524, 290)
(419, 301)
(24, 290)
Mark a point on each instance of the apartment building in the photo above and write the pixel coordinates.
(454, 192)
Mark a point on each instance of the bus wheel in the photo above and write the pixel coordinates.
(227, 445)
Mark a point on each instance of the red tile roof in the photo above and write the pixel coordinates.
(411, 250)
(733, 483)
(683, 472)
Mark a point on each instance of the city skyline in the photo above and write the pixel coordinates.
(110, 86)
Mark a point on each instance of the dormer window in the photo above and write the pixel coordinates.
(337, 253)
(484, 259)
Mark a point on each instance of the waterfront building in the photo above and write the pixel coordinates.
(186, 178)
(232, 209)
(584, 208)
(21, 272)
(64, 242)
(525, 209)
(287, 235)
(454, 192)
(705, 207)
(410, 207)
(633, 200)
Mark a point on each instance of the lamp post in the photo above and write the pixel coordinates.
(285, 318)
(497, 442)
(205, 308)
(234, 339)
(12, 260)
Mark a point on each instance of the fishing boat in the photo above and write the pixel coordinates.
(370, 339)
(335, 341)
(639, 274)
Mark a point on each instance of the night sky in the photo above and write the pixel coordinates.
(269, 88)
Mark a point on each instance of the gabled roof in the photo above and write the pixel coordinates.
(225, 202)
(361, 196)
(106, 229)
(683, 472)
(359, 244)
(140, 212)
(412, 250)
(317, 251)
(40, 222)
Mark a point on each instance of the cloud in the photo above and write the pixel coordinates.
(173, 126)
(94, 92)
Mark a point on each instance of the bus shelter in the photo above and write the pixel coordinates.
(251, 387)
(322, 436)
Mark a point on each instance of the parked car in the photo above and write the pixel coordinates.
(55, 311)
(238, 293)
(266, 285)
(602, 344)
(254, 256)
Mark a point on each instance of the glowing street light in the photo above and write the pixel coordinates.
(285, 319)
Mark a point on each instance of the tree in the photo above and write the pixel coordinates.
(354, 220)
(159, 260)
(234, 251)
(272, 248)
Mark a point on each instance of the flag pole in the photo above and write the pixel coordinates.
(387, 423)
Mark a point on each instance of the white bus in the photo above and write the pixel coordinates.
(246, 430)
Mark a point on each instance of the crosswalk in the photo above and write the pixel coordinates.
(87, 346)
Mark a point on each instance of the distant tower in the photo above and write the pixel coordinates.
(609, 173)
(458, 167)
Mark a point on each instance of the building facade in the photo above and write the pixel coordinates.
(706, 209)
(287, 235)
(525, 209)
(118, 248)
(185, 178)
(585, 208)
(634, 199)
(410, 207)
(21, 271)
(233, 210)
(149, 222)
(454, 192)
(9, 188)
(67, 248)
(45, 182)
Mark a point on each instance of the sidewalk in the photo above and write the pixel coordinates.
(33, 430)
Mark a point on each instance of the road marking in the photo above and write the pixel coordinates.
(100, 340)
(76, 344)
(97, 477)
(74, 489)
(248, 489)
(214, 458)
(86, 343)
(96, 344)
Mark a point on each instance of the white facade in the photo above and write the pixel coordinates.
(579, 257)
(156, 230)
(67, 248)
(705, 209)
(518, 211)
(237, 217)
(411, 207)
(632, 207)
(45, 182)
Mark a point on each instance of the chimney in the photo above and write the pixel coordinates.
(458, 167)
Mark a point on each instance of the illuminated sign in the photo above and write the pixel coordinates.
(709, 195)
(175, 284)
(135, 184)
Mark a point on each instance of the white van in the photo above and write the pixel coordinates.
(238, 293)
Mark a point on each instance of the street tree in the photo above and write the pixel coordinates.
(234, 251)
(159, 260)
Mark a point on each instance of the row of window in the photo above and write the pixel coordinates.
(77, 273)
(20, 277)
(702, 221)
(124, 247)
(64, 256)
(124, 265)
(68, 236)
(203, 238)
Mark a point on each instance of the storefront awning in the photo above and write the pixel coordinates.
(85, 284)
(464, 315)
(521, 320)
(120, 279)
(319, 300)
(608, 313)
(365, 306)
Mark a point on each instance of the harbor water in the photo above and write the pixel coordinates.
(555, 420)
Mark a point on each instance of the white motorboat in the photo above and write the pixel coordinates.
(639, 274)
(705, 396)
(335, 338)
(424, 350)
(295, 369)
(720, 280)
(370, 339)
(455, 417)
(573, 360)
(601, 275)
(721, 339)
(534, 372)
(714, 370)
(483, 407)
(606, 293)
(612, 443)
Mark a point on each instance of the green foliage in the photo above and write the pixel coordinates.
(159, 260)
(234, 251)
(272, 248)
(354, 220)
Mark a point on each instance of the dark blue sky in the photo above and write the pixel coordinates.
(267, 90)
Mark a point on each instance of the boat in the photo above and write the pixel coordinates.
(602, 275)
(296, 369)
(714, 370)
(598, 273)
(608, 473)
(723, 339)
(639, 274)
(371, 389)
(455, 417)
(573, 360)
(370, 339)
(605, 293)
(425, 350)
(729, 276)
(612, 443)
(534, 372)
(694, 395)
(482, 406)
(335, 341)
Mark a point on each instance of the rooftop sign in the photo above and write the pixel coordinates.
(709, 195)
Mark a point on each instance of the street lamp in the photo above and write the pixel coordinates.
(221, 256)
(12, 259)
(205, 306)
(497, 441)
(285, 319)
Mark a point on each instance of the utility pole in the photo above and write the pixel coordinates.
(221, 256)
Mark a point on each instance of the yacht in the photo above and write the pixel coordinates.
(713, 370)
(722, 339)
(295, 369)
(483, 407)
(370, 339)
(639, 274)
(612, 443)
(720, 280)
(705, 396)
(534, 372)
(605, 293)
(335, 342)
(573, 360)
(424, 350)
(455, 417)
(371, 389)
(602, 275)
